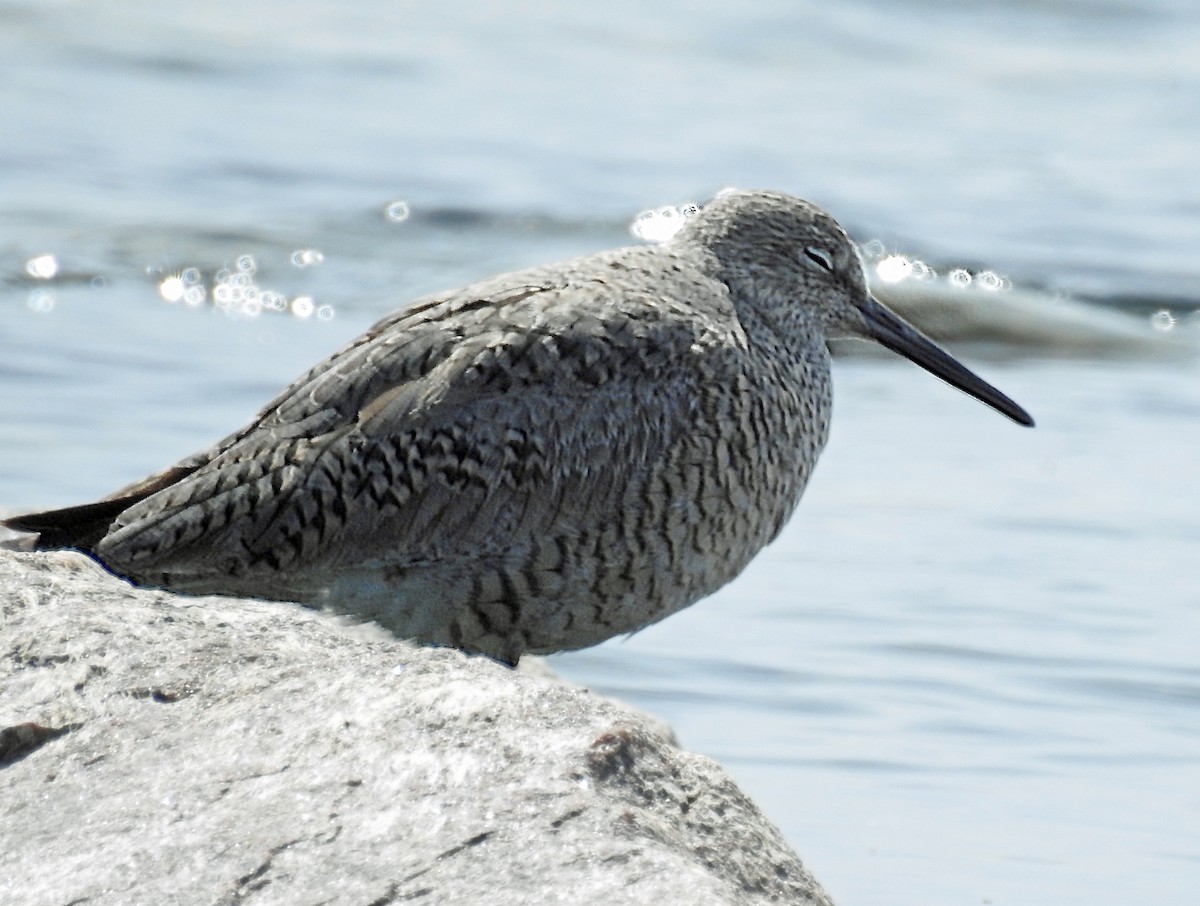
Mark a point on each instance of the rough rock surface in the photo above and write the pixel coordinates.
(160, 749)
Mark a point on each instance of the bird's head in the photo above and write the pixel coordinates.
(802, 275)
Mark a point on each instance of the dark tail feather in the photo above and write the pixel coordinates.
(80, 527)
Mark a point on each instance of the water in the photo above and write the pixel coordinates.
(969, 670)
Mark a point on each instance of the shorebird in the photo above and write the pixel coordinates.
(538, 461)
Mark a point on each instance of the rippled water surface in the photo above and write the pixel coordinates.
(969, 669)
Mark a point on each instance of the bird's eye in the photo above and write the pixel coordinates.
(819, 257)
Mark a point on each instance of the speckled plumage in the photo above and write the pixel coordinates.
(535, 462)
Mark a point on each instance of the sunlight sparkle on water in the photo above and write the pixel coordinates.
(396, 211)
(1163, 320)
(660, 224)
(187, 286)
(235, 289)
(41, 301)
(172, 289)
(42, 267)
(990, 281)
(894, 268)
(891, 267)
(959, 277)
(307, 257)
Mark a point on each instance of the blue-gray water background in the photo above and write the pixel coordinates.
(969, 669)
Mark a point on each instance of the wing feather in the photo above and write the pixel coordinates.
(452, 426)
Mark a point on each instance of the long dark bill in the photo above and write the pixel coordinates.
(898, 335)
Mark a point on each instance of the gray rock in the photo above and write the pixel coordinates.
(162, 749)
